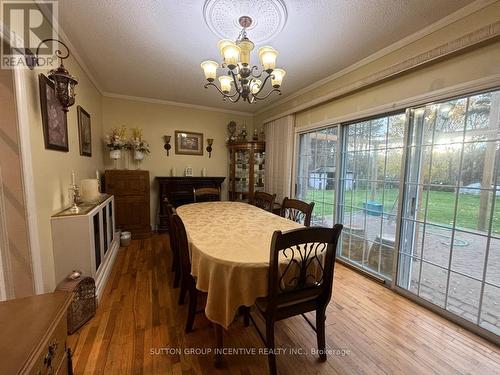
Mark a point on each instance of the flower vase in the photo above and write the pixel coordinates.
(115, 155)
(138, 156)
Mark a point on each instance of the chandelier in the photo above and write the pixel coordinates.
(246, 80)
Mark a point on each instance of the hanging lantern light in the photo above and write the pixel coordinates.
(64, 82)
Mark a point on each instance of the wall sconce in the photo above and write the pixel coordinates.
(210, 142)
(167, 145)
(64, 82)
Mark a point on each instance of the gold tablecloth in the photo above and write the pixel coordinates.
(229, 245)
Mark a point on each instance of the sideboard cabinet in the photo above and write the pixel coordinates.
(86, 241)
(132, 197)
(34, 333)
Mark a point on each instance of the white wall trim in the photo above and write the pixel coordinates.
(438, 25)
(3, 243)
(177, 104)
(22, 105)
(482, 84)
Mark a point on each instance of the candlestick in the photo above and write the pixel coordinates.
(73, 180)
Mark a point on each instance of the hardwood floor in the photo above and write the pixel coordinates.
(374, 330)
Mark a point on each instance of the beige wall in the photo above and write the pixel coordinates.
(157, 120)
(52, 169)
(466, 67)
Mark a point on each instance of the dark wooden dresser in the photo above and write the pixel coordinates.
(34, 332)
(179, 191)
(131, 191)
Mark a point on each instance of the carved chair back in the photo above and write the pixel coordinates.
(264, 200)
(206, 194)
(297, 210)
(301, 266)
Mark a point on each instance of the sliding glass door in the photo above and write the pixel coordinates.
(372, 156)
(449, 251)
(317, 173)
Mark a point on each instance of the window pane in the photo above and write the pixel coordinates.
(371, 190)
(490, 310)
(433, 284)
(474, 209)
(437, 245)
(468, 254)
(463, 296)
(493, 268)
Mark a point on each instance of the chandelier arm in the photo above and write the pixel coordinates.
(235, 100)
(269, 93)
(235, 80)
(263, 84)
(218, 89)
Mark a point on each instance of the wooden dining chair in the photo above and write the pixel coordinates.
(172, 234)
(299, 282)
(188, 282)
(297, 210)
(207, 194)
(264, 200)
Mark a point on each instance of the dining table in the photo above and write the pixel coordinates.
(229, 245)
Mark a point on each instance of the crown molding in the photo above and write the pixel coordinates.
(72, 48)
(474, 39)
(438, 25)
(466, 88)
(172, 103)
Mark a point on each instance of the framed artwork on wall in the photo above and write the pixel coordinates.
(84, 132)
(188, 143)
(54, 122)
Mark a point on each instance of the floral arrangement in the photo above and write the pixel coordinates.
(137, 143)
(116, 140)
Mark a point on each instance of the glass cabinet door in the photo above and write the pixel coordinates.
(97, 240)
(258, 170)
(241, 173)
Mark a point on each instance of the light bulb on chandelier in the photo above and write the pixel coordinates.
(240, 75)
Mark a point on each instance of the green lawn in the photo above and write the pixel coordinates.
(441, 206)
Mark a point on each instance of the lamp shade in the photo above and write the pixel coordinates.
(225, 83)
(210, 69)
(231, 53)
(267, 56)
(278, 77)
(246, 47)
(255, 86)
(222, 43)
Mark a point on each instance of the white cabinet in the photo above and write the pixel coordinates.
(86, 241)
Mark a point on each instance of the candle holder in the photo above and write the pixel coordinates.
(167, 145)
(210, 142)
(75, 193)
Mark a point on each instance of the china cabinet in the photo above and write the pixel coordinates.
(246, 169)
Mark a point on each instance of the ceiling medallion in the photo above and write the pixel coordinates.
(222, 17)
(243, 77)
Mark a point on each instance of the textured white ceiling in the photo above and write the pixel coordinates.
(153, 48)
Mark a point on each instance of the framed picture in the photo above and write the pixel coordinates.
(55, 126)
(84, 132)
(188, 143)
